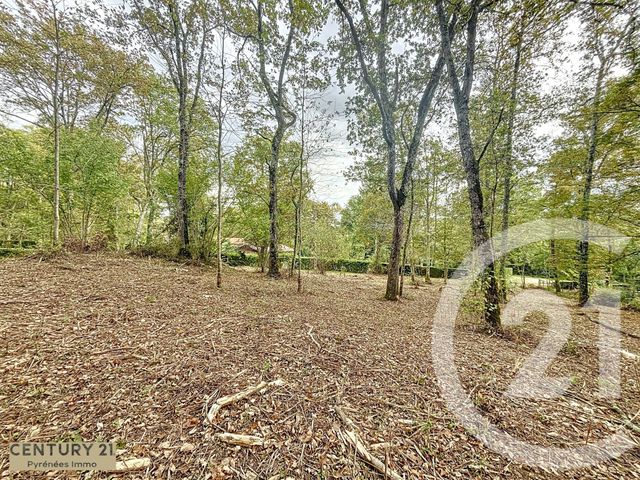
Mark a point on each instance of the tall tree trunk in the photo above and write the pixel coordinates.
(554, 265)
(461, 95)
(183, 165)
(300, 190)
(56, 131)
(281, 111)
(508, 160)
(379, 89)
(219, 157)
(274, 267)
(583, 244)
(406, 241)
(445, 250)
(294, 255)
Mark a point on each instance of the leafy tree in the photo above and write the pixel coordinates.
(178, 32)
(387, 79)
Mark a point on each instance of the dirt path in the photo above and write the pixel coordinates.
(133, 350)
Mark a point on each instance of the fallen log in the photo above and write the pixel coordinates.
(241, 440)
(228, 399)
(133, 464)
(351, 437)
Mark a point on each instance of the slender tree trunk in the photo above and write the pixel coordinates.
(445, 250)
(554, 264)
(219, 155)
(150, 219)
(585, 213)
(300, 190)
(294, 256)
(56, 132)
(299, 229)
(461, 94)
(508, 161)
(406, 241)
(183, 165)
(274, 267)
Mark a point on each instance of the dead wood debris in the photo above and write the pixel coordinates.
(236, 397)
(351, 437)
(133, 464)
(241, 440)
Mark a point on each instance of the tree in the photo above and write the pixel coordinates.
(31, 64)
(610, 29)
(178, 32)
(461, 93)
(373, 52)
(153, 141)
(58, 73)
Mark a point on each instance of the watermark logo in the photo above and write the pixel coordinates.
(531, 381)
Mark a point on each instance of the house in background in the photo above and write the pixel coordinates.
(245, 247)
(242, 245)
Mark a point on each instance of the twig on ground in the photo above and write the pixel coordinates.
(351, 436)
(241, 440)
(312, 337)
(132, 464)
(223, 401)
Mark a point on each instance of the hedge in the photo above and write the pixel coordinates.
(348, 265)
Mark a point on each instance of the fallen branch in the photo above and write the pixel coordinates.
(312, 337)
(133, 464)
(350, 436)
(226, 400)
(242, 440)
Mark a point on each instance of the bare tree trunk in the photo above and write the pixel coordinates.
(177, 55)
(461, 94)
(56, 131)
(281, 111)
(219, 155)
(294, 255)
(393, 268)
(407, 241)
(585, 213)
(274, 267)
(431, 205)
(554, 264)
(300, 191)
(183, 165)
(508, 161)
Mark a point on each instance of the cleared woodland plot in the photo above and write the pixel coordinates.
(138, 351)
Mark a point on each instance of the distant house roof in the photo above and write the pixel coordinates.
(242, 244)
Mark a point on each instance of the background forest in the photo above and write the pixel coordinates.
(201, 129)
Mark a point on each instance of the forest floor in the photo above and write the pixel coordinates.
(135, 351)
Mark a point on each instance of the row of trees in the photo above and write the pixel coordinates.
(151, 123)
